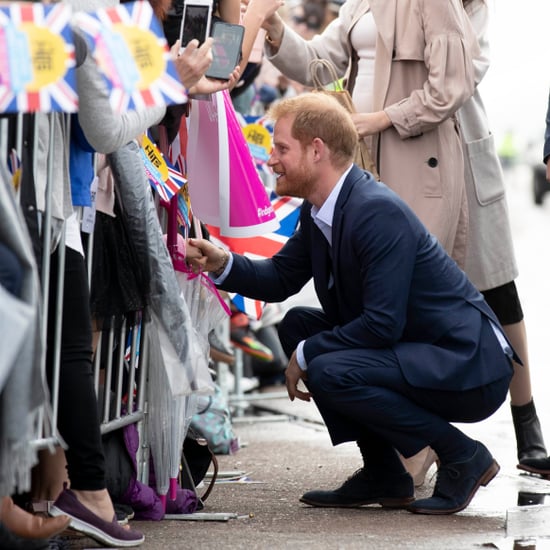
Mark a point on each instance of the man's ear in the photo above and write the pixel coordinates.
(319, 148)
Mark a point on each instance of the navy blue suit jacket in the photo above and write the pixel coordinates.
(394, 287)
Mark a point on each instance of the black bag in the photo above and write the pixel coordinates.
(196, 459)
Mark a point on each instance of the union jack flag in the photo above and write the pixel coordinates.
(177, 149)
(37, 58)
(165, 178)
(175, 180)
(287, 210)
(130, 48)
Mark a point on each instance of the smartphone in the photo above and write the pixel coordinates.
(195, 21)
(226, 50)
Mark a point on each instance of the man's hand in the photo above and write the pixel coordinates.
(202, 255)
(293, 375)
(548, 170)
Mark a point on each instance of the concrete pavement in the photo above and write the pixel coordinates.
(286, 451)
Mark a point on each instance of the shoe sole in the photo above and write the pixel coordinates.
(256, 353)
(384, 502)
(530, 470)
(484, 480)
(94, 532)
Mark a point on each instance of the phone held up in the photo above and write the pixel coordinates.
(226, 50)
(195, 21)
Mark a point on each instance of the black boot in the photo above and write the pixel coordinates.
(530, 443)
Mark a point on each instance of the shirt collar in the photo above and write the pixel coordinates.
(324, 216)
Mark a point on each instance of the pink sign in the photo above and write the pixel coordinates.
(225, 188)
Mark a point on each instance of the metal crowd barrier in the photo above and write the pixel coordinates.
(124, 370)
(120, 367)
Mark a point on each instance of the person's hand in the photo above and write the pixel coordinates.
(192, 61)
(211, 85)
(368, 124)
(272, 22)
(193, 254)
(202, 255)
(293, 375)
(264, 9)
(548, 170)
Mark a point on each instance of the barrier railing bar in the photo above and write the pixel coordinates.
(97, 361)
(120, 369)
(132, 372)
(125, 420)
(108, 373)
(142, 458)
(60, 282)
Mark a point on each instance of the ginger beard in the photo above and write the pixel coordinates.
(296, 181)
(292, 163)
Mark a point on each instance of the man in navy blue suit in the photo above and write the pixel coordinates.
(403, 344)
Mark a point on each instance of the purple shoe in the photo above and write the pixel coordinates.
(85, 521)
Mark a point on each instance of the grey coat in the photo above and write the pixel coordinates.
(490, 259)
(22, 380)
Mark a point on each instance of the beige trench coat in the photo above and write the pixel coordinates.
(423, 73)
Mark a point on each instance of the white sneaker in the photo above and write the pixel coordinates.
(247, 383)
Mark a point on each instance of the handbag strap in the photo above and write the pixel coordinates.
(316, 65)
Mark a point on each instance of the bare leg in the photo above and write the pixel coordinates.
(529, 439)
(53, 475)
(99, 502)
(419, 464)
(520, 386)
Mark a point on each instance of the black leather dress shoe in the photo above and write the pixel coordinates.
(539, 466)
(457, 483)
(392, 491)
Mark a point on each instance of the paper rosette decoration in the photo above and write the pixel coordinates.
(258, 133)
(37, 58)
(225, 188)
(129, 46)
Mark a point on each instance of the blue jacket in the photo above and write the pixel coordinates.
(81, 165)
(394, 287)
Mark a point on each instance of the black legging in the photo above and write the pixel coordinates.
(78, 418)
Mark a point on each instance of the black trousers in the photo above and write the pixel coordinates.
(78, 418)
(363, 390)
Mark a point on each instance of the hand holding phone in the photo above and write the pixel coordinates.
(226, 50)
(192, 61)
